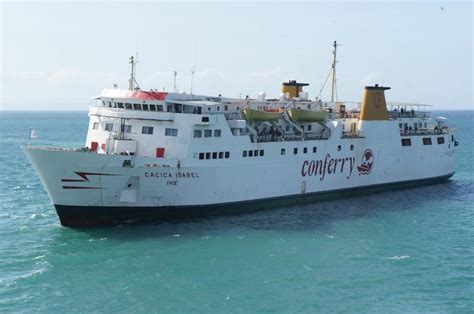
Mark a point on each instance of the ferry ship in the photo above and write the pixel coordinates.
(153, 155)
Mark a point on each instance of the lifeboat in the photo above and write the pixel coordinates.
(266, 115)
(301, 115)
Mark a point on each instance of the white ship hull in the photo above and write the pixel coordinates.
(96, 189)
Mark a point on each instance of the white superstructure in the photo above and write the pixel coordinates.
(152, 155)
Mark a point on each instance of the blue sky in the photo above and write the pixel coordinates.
(55, 56)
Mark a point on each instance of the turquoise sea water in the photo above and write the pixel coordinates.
(401, 251)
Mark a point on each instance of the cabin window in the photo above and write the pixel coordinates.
(103, 103)
(400, 125)
(406, 142)
(339, 148)
(171, 132)
(352, 147)
(147, 130)
(309, 127)
(282, 152)
(452, 138)
(217, 133)
(295, 150)
(262, 152)
(152, 107)
(305, 150)
(208, 155)
(110, 104)
(221, 155)
(95, 126)
(214, 155)
(127, 128)
(227, 155)
(109, 126)
(315, 149)
(440, 140)
(137, 107)
(201, 155)
(427, 141)
(426, 125)
(250, 153)
(226, 107)
(205, 119)
(128, 106)
(120, 105)
(287, 128)
(244, 153)
(145, 107)
(207, 133)
(159, 107)
(197, 133)
(255, 153)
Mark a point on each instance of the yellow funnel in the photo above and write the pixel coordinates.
(373, 105)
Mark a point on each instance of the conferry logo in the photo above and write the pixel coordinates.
(367, 162)
(328, 166)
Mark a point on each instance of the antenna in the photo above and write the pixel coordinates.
(193, 70)
(174, 84)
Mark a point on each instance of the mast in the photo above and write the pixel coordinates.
(334, 87)
(175, 89)
(132, 82)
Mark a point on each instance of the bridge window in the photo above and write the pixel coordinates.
(171, 132)
(159, 107)
(309, 127)
(95, 126)
(137, 107)
(145, 107)
(221, 155)
(406, 142)
(128, 106)
(217, 133)
(227, 155)
(440, 140)
(197, 133)
(207, 133)
(147, 130)
(427, 141)
(205, 119)
(214, 155)
(262, 152)
(109, 126)
(208, 155)
(250, 153)
(244, 153)
(201, 155)
(127, 128)
(152, 107)
(120, 105)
